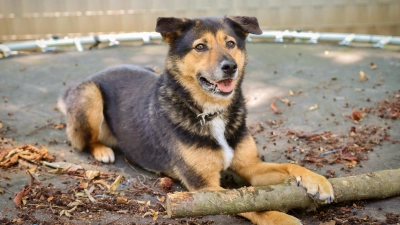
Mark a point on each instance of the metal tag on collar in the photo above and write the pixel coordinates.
(203, 118)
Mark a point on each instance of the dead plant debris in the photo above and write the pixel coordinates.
(30, 153)
(388, 108)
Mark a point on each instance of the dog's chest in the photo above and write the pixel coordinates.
(217, 126)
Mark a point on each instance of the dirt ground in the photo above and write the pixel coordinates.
(332, 109)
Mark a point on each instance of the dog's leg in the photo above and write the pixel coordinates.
(86, 127)
(247, 164)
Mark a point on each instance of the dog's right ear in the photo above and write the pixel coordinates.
(171, 27)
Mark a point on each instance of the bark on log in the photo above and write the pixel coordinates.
(282, 197)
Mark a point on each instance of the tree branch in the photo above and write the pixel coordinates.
(282, 197)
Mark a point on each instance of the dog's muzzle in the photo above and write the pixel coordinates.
(223, 80)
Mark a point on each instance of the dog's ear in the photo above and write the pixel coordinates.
(246, 23)
(171, 27)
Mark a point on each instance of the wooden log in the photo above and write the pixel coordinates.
(282, 197)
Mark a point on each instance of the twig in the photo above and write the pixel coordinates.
(8, 190)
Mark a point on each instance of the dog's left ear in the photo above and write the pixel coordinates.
(246, 23)
(171, 27)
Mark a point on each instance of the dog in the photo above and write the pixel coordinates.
(189, 122)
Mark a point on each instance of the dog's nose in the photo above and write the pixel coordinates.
(228, 67)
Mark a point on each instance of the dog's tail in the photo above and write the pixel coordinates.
(62, 99)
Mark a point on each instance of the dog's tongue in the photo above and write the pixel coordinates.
(225, 85)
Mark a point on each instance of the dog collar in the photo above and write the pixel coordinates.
(203, 117)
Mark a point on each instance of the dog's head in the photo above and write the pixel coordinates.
(207, 56)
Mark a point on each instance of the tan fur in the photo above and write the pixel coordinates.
(206, 162)
(90, 103)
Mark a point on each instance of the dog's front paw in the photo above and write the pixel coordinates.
(316, 185)
(103, 153)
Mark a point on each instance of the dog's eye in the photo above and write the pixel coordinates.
(200, 47)
(230, 44)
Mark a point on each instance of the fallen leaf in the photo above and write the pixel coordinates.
(314, 107)
(349, 157)
(151, 213)
(314, 159)
(395, 115)
(160, 198)
(285, 100)
(83, 184)
(356, 115)
(59, 126)
(273, 107)
(27, 152)
(67, 212)
(75, 203)
(18, 198)
(363, 77)
(1, 125)
(166, 184)
(102, 182)
(373, 66)
(291, 93)
(33, 169)
(351, 163)
(91, 174)
(88, 195)
(122, 200)
(114, 185)
(59, 170)
(50, 198)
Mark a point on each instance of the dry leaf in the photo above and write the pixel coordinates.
(89, 196)
(59, 170)
(67, 212)
(50, 198)
(151, 213)
(356, 115)
(352, 163)
(59, 126)
(91, 174)
(285, 100)
(273, 107)
(114, 185)
(1, 125)
(160, 198)
(291, 93)
(102, 182)
(33, 169)
(314, 107)
(27, 152)
(373, 66)
(83, 184)
(18, 198)
(122, 200)
(76, 203)
(166, 184)
(363, 77)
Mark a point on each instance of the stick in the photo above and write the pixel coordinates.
(282, 197)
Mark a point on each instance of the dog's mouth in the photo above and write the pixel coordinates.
(223, 87)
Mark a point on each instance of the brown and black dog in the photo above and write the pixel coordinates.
(189, 122)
